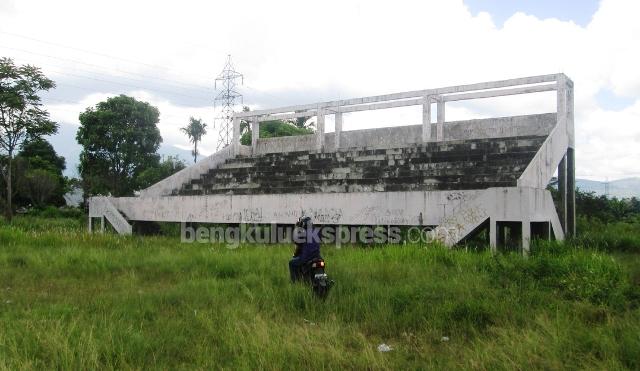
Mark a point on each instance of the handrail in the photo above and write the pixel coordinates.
(426, 97)
(404, 95)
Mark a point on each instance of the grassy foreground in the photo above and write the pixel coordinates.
(70, 300)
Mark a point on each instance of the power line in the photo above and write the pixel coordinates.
(173, 82)
(84, 50)
(126, 85)
(158, 67)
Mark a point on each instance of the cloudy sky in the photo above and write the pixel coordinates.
(294, 52)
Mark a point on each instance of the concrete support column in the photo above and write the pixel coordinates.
(562, 190)
(320, 130)
(440, 125)
(236, 137)
(90, 225)
(426, 119)
(338, 129)
(255, 134)
(493, 235)
(102, 224)
(526, 237)
(571, 161)
(570, 229)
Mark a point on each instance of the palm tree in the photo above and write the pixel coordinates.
(195, 130)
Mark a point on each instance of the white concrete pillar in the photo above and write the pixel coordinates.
(255, 134)
(90, 225)
(338, 129)
(102, 224)
(562, 189)
(236, 137)
(320, 130)
(571, 160)
(440, 125)
(570, 204)
(526, 237)
(426, 119)
(493, 235)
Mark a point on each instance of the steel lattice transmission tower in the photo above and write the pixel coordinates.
(226, 100)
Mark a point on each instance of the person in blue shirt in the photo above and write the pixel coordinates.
(307, 248)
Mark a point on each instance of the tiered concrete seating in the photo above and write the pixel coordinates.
(453, 165)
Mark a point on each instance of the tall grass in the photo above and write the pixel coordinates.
(620, 236)
(71, 300)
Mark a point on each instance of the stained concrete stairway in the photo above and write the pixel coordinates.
(453, 165)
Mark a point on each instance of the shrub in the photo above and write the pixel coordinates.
(575, 274)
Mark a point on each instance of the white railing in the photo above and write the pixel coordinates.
(525, 85)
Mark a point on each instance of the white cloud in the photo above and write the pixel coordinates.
(338, 48)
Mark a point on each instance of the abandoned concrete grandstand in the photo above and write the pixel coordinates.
(457, 176)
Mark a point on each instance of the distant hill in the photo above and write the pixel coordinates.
(169, 150)
(621, 188)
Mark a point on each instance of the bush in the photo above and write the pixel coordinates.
(51, 212)
(620, 236)
(576, 274)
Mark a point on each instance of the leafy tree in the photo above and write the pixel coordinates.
(303, 122)
(194, 131)
(164, 169)
(22, 117)
(40, 155)
(120, 138)
(601, 208)
(275, 128)
(39, 185)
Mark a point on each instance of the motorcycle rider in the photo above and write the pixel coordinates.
(307, 247)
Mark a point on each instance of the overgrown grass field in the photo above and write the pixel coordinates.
(71, 300)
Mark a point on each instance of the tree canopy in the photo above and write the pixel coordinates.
(40, 175)
(275, 128)
(154, 174)
(22, 118)
(119, 139)
(194, 131)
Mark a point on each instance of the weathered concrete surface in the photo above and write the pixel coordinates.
(402, 136)
(456, 212)
(177, 180)
(367, 208)
(448, 165)
(102, 207)
(523, 204)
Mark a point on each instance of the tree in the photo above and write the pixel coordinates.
(164, 169)
(195, 130)
(275, 128)
(119, 139)
(39, 154)
(22, 117)
(302, 122)
(39, 185)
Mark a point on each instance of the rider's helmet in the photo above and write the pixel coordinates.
(304, 222)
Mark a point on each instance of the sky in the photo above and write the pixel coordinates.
(294, 52)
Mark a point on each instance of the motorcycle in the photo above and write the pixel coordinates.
(313, 273)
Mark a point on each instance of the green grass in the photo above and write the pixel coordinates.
(70, 300)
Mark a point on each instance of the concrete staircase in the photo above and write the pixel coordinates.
(101, 207)
(453, 165)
